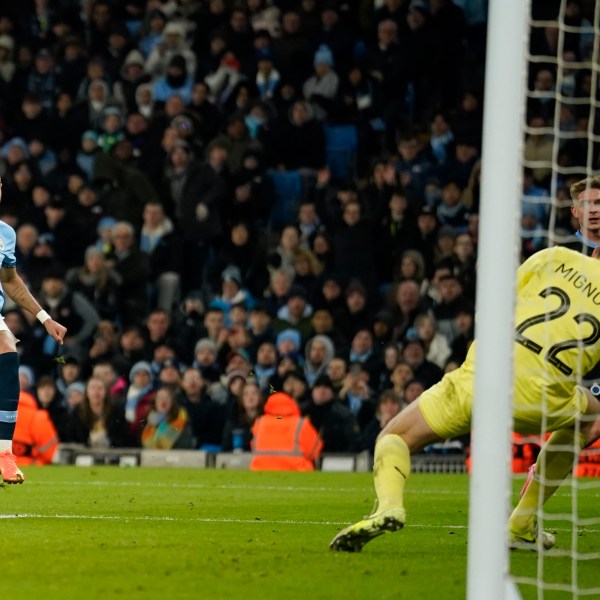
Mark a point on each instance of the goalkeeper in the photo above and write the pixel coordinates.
(585, 195)
(557, 337)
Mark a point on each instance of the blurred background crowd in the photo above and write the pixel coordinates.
(220, 199)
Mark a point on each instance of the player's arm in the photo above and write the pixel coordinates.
(13, 285)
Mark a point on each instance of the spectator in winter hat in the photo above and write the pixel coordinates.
(140, 395)
(288, 340)
(173, 43)
(74, 394)
(232, 274)
(321, 89)
(205, 359)
(26, 378)
(104, 230)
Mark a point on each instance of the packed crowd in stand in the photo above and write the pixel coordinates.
(143, 148)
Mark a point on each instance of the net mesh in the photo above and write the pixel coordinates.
(562, 146)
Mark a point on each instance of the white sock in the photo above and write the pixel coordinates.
(5, 445)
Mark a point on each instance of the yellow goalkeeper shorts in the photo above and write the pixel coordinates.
(447, 406)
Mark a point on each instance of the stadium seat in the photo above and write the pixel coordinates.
(338, 463)
(288, 188)
(341, 144)
(233, 460)
(174, 458)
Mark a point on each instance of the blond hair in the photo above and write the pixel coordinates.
(316, 267)
(585, 184)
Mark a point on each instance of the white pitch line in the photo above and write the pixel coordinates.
(202, 520)
(226, 486)
(202, 486)
(272, 488)
(239, 521)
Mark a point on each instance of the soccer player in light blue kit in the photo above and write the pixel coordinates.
(13, 285)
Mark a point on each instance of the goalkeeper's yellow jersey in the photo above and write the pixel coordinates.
(557, 340)
(557, 320)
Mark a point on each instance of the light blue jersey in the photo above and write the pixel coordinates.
(8, 239)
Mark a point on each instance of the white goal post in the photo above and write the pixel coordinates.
(500, 210)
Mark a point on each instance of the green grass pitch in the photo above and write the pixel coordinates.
(104, 532)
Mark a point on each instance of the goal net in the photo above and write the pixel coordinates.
(559, 142)
(562, 127)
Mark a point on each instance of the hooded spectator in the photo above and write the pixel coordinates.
(132, 75)
(282, 440)
(318, 354)
(173, 43)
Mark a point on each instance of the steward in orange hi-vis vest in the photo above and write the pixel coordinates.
(35, 440)
(283, 440)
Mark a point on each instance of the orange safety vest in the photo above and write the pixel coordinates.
(589, 461)
(35, 440)
(524, 452)
(283, 440)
